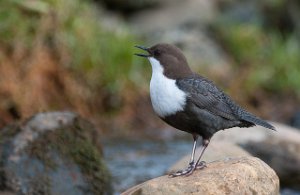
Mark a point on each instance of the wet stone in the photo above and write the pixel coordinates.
(52, 153)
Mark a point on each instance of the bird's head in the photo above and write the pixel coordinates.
(169, 57)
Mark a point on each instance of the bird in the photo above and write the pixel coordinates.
(190, 102)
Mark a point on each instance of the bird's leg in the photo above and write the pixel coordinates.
(192, 163)
(202, 164)
(195, 137)
(198, 164)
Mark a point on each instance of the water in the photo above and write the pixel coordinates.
(134, 161)
(287, 191)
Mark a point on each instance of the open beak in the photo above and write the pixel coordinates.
(143, 48)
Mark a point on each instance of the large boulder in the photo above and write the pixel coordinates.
(279, 149)
(52, 153)
(246, 175)
(282, 155)
(129, 6)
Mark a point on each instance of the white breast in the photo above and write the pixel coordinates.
(166, 97)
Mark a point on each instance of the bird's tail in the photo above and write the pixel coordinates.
(257, 121)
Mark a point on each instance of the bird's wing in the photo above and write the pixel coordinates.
(205, 95)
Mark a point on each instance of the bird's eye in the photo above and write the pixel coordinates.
(157, 53)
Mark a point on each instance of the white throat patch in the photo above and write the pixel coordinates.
(166, 97)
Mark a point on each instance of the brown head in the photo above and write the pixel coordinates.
(171, 59)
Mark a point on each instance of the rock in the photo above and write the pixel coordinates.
(246, 175)
(279, 149)
(52, 153)
(215, 151)
(282, 155)
(295, 120)
(129, 6)
(173, 13)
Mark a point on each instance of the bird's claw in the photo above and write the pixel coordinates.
(189, 170)
(201, 165)
(186, 172)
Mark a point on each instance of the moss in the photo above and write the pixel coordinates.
(95, 60)
(41, 149)
(75, 143)
(40, 184)
(8, 132)
(87, 156)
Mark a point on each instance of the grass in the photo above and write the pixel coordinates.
(58, 55)
(73, 29)
(272, 60)
(103, 55)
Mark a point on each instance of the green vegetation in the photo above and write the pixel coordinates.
(74, 143)
(272, 60)
(73, 31)
(63, 55)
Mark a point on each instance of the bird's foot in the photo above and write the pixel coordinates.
(186, 172)
(189, 170)
(201, 165)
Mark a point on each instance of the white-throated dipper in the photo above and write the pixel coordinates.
(190, 102)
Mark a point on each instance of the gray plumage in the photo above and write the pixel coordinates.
(225, 113)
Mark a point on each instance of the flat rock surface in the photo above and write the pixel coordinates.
(245, 175)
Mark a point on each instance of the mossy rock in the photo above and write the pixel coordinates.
(53, 153)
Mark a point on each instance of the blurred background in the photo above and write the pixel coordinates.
(77, 55)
